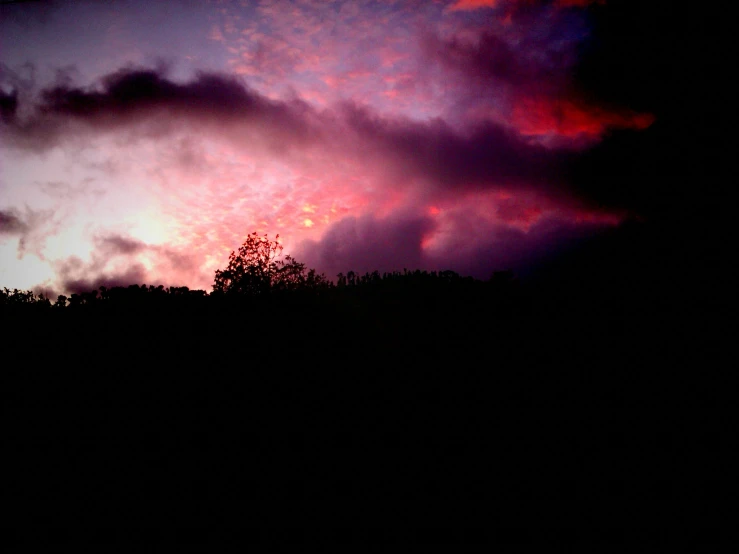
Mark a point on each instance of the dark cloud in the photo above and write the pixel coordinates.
(477, 246)
(531, 64)
(45, 291)
(15, 84)
(494, 58)
(8, 105)
(32, 227)
(132, 96)
(524, 79)
(135, 274)
(117, 244)
(129, 92)
(116, 261)
(367, 244)
(480, 248)
(488, 155)
(11, 223)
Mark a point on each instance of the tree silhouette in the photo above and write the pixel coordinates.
(256, 270)
(250, 269)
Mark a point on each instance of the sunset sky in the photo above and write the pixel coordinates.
(142, 141)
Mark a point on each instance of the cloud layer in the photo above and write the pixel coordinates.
(450, 149)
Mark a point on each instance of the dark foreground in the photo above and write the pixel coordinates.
(508, 412)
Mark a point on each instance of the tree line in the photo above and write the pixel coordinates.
(257, 272)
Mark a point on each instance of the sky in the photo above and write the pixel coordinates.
(141, 142)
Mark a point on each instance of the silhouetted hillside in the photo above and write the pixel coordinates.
(422, 397)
